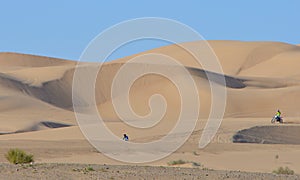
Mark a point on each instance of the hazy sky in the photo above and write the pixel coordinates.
(63, 28)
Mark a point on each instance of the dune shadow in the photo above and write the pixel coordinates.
(224, 80)
(39, 126)
(276, 134)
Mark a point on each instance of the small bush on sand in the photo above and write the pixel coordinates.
(195, 153)
(177, 162)
(285, 170)
(90, 168)
(17, 156)
(196, 164)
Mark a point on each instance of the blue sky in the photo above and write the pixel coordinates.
(63, 28)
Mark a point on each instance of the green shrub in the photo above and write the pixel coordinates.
(177, 162)
(17, 156)
(90, 168)
(285, 170)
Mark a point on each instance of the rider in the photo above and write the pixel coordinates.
(125, 137)
(278, 113)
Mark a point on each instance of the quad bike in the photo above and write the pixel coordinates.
(277, 119)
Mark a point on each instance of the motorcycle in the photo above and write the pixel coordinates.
(277, 119)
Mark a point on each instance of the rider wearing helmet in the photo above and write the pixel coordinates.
(125, 137)
(278, 113)
(277, 117)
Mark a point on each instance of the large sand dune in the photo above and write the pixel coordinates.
(36, 104)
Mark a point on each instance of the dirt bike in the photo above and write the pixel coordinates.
(277, 119)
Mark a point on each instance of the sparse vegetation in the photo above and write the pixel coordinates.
(196, 164)
(90, 168)
(285, 170)
(17, 156)
(84, 170)
(207, 169)
(75, 169)
(195, 153)
(177, 162)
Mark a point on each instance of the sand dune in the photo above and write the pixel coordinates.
(36, 95)
(15, 60)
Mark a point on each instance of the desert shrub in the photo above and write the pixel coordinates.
(90, 168)
(17, 156)
(196, 164)
(285, 170)
(195, 153)
(177, 162)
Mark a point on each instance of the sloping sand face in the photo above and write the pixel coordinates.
(261, 77)
(269, 135)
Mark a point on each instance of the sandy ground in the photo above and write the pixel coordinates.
(37, 115)
(221, 154)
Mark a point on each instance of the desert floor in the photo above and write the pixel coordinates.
(84, 171)
(221, 154)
